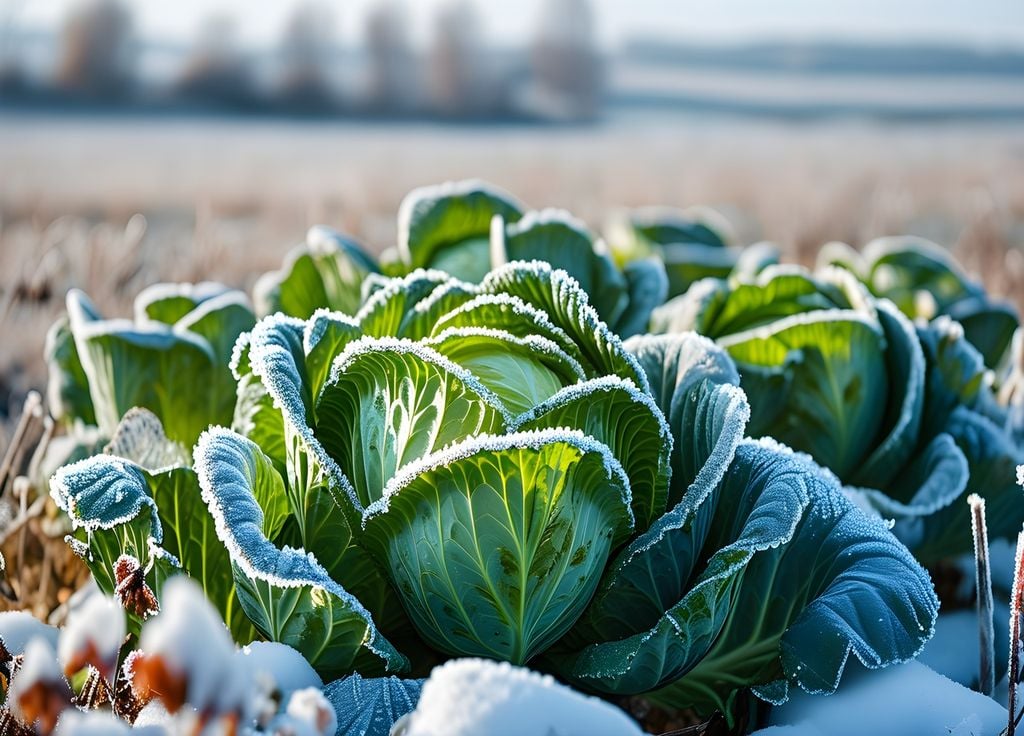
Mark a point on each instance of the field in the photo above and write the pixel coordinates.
(224, 199)
(509, 427)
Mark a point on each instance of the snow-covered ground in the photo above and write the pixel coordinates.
(905, 700)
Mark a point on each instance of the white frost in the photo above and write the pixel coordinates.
(155, 716)
(96, 723)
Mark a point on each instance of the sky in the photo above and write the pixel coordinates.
(992, 23)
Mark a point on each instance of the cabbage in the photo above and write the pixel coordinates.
(486, 469)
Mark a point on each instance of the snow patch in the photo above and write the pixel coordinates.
(98, 625)
(904, 700)
(39, 667)
(190, 637)
(99, 723)
(954, 650)
(468, 697)
(18, 628)
(307, 713)
(289, 669)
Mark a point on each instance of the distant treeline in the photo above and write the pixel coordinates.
(558, 76)
(831, 57)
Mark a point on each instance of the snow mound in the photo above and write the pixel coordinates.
(904, 700)
(955, 650)
(308, 713)
(18, 628)
(95, 632)
(285, 666)
(468, 697)
(191, 638)
(95, 723)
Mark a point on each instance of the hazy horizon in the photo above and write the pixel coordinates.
(986, 23)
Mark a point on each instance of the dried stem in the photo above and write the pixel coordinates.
(1016, 599)
(983, 579)
(36, 509)
(31, 412)
(40, 452)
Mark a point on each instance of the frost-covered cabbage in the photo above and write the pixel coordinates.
(924, 281)
(327, 272)
(172, 359)
(464, 229)
(902, 414)
(693, 244)
(487, 470)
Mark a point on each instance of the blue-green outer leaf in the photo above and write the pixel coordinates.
(371, 706)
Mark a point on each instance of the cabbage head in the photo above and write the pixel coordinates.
(902, 414)
(486, 469)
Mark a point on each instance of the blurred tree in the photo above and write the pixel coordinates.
(567, 67)
(457, 82)
(13, 80)
(97, 51)
(392, 84)
(12, 74)
(217, 72)
(306, 48)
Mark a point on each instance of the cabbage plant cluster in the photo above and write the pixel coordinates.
(903, 413)
(488, 470)
(473, 448)
(924, 282)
